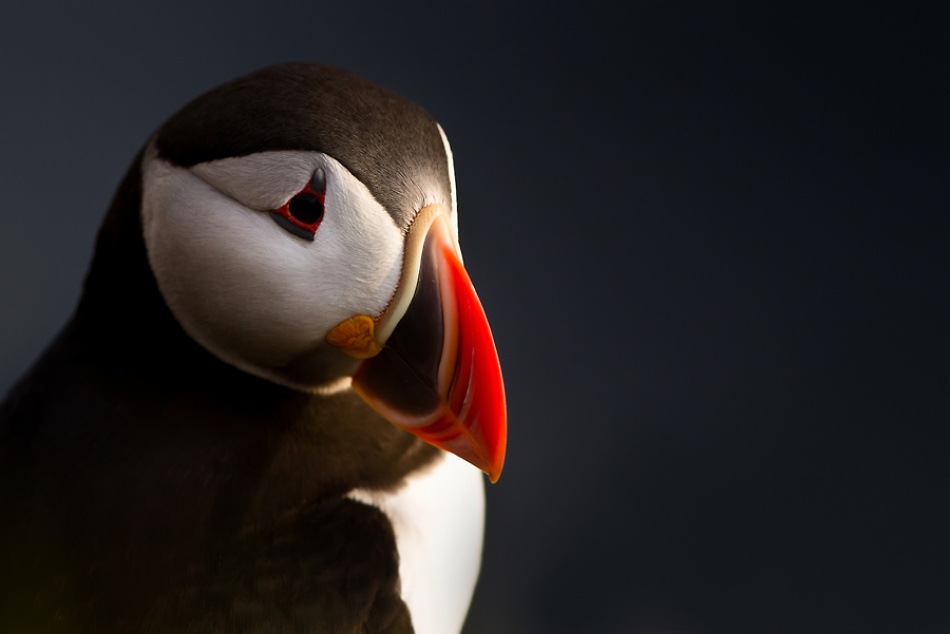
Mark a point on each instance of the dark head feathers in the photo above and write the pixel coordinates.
(392, 145)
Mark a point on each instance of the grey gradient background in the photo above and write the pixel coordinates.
(712, 241)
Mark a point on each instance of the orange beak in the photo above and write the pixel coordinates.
(430, 366)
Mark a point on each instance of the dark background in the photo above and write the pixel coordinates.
(711, 238)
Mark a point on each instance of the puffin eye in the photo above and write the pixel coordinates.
(306, 208)
(302, 214)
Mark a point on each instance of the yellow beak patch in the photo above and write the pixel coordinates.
(356, 337)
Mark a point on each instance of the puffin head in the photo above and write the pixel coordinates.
(301, 225)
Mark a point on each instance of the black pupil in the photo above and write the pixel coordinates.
(306, 208)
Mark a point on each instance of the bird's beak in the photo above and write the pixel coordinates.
(430, 365)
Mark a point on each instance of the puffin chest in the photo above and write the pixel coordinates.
(438, 520)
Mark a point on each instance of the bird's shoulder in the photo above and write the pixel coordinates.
(193, 500)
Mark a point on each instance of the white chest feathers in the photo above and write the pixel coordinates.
(439, 519)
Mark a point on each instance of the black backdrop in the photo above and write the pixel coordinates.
(712, 240)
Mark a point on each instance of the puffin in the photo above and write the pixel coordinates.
(273, 405)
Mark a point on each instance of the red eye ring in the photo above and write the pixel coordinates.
(303, 213)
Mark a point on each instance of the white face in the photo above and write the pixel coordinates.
(251, 292)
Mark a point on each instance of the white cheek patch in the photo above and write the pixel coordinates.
(252, 293)
(262, 181)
